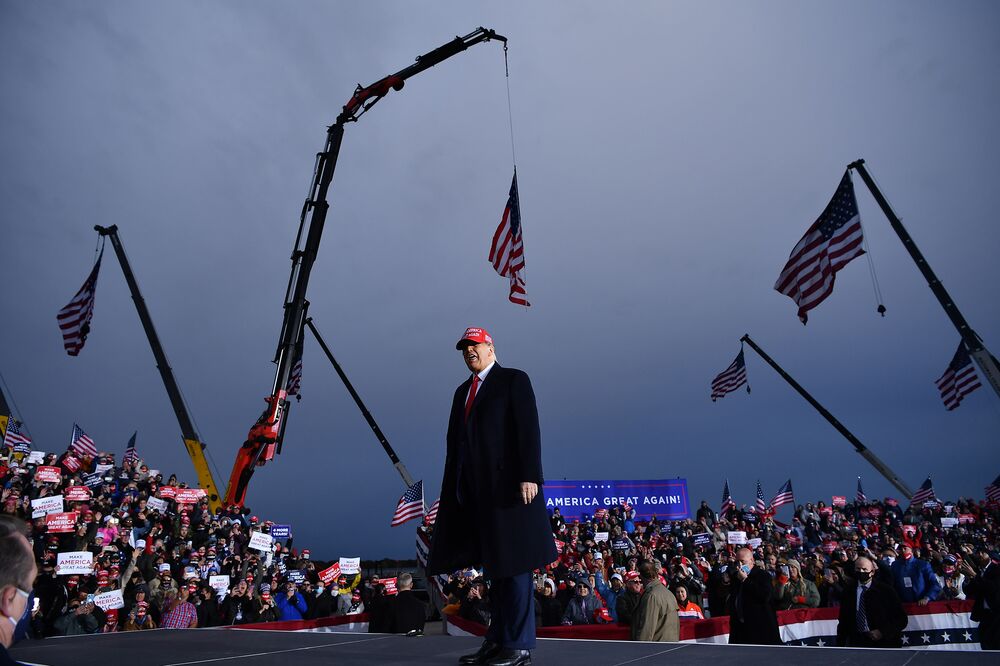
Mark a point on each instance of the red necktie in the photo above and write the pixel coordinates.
(472, 395)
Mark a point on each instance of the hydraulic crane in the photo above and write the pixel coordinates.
(265, 437)
(192, 442)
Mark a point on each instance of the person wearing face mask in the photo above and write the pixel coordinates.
(752, 620)
(871, 614)
(914, 579)
(951, 580)
(17, 576)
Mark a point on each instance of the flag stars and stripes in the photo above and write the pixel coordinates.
(731, 378)
(74, 318)
(410, 505)
(14, 436)
(830, 244)
(507, 248)
(82, 443)
(959, 380)
(993, 490)
(784, 496)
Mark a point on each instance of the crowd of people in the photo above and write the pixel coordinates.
(176, 564)
(610, 562)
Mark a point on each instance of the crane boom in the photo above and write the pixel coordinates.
(193, 443)
(264, 439)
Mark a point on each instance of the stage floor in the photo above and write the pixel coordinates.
(181, 647)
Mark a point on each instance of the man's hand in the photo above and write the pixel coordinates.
(875, 634)
(923, 602)
(528, 491)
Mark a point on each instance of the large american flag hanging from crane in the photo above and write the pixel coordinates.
(829, 245)
(507, 250)
(74, 319)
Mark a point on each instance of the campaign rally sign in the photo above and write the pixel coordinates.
(330, 574)
(736, 537)
(167, 492)
(78, 494)
(92, 480)
(110, 600)
(840, 500)
(754, 543)
(600, 536)
(35, 458)
(46, 505)
(48, 474)
(60, 522)
(260, 541)
(702, 539)
(948, 523)
(219, 583)
(103, 467)
(350, 565)
(297, 576)
(76, 562)
(390, 585)
(666, 498)
(22, 447)
(156, 504)
(281, 531)
(188, 495)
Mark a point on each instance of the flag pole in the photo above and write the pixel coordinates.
(973, 343)
(865, 452)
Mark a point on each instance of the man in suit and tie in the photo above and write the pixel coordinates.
(492, 511)
(983, 586)
(871, 614)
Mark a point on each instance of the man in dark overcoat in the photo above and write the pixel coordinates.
(881, 620)
(492, 510)
(752, 619)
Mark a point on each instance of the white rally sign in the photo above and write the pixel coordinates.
(350, 565)
(736, 537)
(260, 541)
(110, 600)
(76, 562)
(43, 506)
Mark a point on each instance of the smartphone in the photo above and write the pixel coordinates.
(35, 606)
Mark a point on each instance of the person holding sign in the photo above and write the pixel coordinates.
(492, 510)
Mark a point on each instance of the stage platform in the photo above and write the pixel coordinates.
(183, 647)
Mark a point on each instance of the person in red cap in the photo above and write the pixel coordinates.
(492, 510)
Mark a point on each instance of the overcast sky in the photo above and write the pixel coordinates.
(669, 157)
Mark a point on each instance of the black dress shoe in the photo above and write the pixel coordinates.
(507, 657)
(486, 652)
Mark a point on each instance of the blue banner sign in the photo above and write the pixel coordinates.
(665, 498)
(281, 531)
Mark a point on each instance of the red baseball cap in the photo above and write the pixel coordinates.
(476, 335)
(631, 575)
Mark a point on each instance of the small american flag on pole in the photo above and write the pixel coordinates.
(131, 457)
(14, 436)
(993, 491)
(761, 507)
(731, 378)
(829, 245)
(959, 380)
(410, 505)
(860, 498)
(507, 250)
(924, 494)
(727, 501)
(81, 442)
(295, 380)
(784, 496)
(74, 319)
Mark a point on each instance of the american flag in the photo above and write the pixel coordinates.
(82, 443)
(14, 436)
(924, 494)
(860, 498)
(432, 513)
(829, 244)
(130, 455)
(727, 500)
(731, 378)
(423, 552)
(793, 539)
(959, 380)
(761, 508)
(410, 505)
(507, 250)
(784, 496)
(74, 319)
(993, 491)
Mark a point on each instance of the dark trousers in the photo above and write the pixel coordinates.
(512, 612)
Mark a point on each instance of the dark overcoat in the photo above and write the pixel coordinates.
(883, 611)
(497, 449)
(752, 619)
